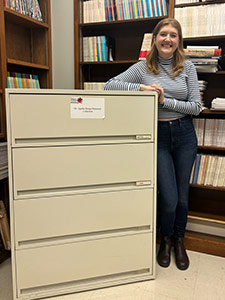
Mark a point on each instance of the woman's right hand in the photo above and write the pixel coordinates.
(148, 88)
(155, 88)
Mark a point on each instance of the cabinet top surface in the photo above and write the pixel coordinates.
(10, 91)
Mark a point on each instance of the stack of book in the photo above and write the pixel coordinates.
(29, 8)
(210, 132)
(202, 87)
(201, 20)
(3, 160)
(208, 170)
(199, 125)
(21, 80)
(95, 48)
(94, 86)
(218, 104)
(115, 10)
(214, 133)
(205, 58)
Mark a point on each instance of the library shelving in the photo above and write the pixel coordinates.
(126, 36)
(207, 202)
(25, 47)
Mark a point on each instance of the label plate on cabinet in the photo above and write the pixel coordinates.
(87, 108)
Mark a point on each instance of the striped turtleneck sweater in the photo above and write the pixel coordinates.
(182, 96)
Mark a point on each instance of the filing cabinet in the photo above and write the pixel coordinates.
(82, 181)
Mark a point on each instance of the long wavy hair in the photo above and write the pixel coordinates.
(178, 56)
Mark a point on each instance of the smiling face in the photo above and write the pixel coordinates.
(167, 41)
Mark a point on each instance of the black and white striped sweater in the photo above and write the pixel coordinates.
(182, 96)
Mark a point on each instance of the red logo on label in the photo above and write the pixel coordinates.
(79, 100)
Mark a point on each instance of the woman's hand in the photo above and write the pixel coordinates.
(156, 88)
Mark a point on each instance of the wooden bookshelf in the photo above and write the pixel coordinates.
(128, 34)
(210, 218)
(207, 203)
(205, 243)
(25, 47)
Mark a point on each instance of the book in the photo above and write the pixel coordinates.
(202, 52)
(21, 80)
(196, 170)
(206, 68)
(218, 104)
(201, 20)
(220, 182)
(204, 61)
(4, 227)
(203, 47)
(146, 45)
(94, 86)
(201, 168)
(218, 171)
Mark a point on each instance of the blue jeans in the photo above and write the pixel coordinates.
(177, 149)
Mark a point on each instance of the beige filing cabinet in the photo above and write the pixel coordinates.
(82, 177)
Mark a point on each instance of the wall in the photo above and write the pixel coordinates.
(62, 44)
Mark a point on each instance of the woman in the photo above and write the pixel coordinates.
(174, 78)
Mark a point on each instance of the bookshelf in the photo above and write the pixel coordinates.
(127, 35)
(206, 202)
(25, 47)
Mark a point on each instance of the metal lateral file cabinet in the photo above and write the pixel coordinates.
(82, 180)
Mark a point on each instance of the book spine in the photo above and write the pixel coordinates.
(128, 13)
(196, 171)
(8, 80)
(19, 80)
(202, 52)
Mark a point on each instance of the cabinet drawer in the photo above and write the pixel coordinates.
(73, 263)
(54, 169)
(75, 216)
(48, 117)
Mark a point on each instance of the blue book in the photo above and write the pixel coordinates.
(149, 14)
(120, 10)
(164, 7)
(158, 7)
(8, 80)
(143, 4)
(104, 48)
(98, 39)
(154, 8)
(196, 170)
(124, 10)
(36, 81)
(106, 11)
(19, 80)
(138, 9)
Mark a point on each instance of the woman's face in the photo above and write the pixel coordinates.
(167, 41)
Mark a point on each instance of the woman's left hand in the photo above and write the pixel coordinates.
(160, 91)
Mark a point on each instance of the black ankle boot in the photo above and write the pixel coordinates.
(163, 256)
(181, 257)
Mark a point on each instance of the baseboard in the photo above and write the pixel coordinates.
(205, 243)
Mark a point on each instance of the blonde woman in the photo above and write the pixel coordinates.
(174, 78)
